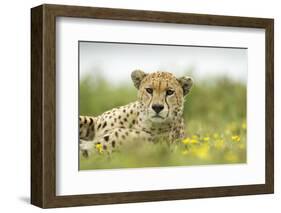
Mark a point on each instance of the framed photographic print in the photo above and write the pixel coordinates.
(136, 106)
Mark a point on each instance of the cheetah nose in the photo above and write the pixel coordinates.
(157, 107)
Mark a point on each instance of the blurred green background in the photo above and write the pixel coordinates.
(215, 116)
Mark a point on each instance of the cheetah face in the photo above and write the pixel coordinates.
(161, 93)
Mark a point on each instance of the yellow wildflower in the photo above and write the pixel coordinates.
(206, 139)
(194, 136)
(186, 141)
(193, 141)
(190, 141)
(236, 138)
(99, 147)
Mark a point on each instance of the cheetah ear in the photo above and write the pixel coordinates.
(137, 76)
(186, 83)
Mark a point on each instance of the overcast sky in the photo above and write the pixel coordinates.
(116, 61)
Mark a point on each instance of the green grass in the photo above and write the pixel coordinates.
(215, 115)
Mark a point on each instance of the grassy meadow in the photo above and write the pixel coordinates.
(215, 116)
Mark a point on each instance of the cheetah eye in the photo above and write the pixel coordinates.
(149, 90)
(169, 92)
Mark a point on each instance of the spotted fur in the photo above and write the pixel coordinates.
(156, 115)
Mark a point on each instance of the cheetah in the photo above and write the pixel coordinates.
(156, 115)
